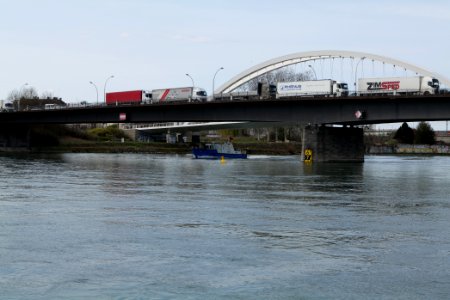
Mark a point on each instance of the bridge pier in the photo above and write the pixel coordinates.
(15, 138)
(333, 144)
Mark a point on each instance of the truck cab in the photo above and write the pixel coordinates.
(199, 94)
(430, 86)
(6, 106)
(340, 89)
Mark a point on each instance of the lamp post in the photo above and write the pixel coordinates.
(96, 89)
(314, 71)
(104, 88)
(356, 70)
(214, 78)
(191, 79)
(21, 95)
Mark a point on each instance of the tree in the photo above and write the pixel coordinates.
(47, 95)
(28, 98)
(424, 134)
(25, 93)
(404, 134)
(281, 75)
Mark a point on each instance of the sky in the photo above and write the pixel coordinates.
(60, 46)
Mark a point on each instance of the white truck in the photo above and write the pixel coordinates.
(6, 106)
(419, 85)
(189, 94)
(326, 87)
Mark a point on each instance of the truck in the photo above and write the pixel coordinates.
(418, 85)
(6, 106)
(128, 97)
(189, 94)
(311, 88)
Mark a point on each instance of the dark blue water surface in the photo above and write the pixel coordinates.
(131, 226)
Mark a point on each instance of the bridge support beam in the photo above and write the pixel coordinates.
(334, 144)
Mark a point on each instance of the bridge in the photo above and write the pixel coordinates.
(329, 144)
(323, 110)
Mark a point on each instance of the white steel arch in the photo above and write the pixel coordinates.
(300, 57)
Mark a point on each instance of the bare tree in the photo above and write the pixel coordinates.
(285, 74)
(47, 95)
(28, 98)
(13, 95)
(25, 93)
(29, 93)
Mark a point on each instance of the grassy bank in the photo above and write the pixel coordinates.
(61, 139)
(76, 145)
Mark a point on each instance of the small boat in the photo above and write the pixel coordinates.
(217, 151)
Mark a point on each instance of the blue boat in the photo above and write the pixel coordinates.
(217, 151)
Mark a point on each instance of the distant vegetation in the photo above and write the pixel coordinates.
(423, 134)
(54, 135)
(110, 133)
(27, 98)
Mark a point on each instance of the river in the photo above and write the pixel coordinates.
(136, 226)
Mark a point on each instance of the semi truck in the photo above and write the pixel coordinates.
(419, 85)
(311, 88)
(194, 94)
(319, 88)
(156, 96)
(128, 97)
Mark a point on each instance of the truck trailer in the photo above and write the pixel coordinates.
(311, 88)
(419, 85)
(128, 97)
(189, 94)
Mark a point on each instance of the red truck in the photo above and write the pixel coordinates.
(128, 97)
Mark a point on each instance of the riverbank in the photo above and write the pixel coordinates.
(409, 149)
(83, 146)
(252, 148)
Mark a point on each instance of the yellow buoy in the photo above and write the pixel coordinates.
(222, 159)
(308, 156)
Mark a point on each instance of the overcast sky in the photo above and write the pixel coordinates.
(59, 46)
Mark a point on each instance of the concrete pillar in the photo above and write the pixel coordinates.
(334, 144)
(15, 138)
(195, 139)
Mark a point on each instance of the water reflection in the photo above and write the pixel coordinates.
(145, 225)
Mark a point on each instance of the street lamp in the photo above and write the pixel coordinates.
(21, 95)
(191, 79)
(96, 89)
(104, 88)
(214, 78)
(314, 71)
(356, 70)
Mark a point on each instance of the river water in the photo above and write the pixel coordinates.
(132, 226)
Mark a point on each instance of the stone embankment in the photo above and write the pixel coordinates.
(409, 149)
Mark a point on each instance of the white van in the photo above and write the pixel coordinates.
(51, 106)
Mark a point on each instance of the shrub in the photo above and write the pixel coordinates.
(109, 133)
(424, 134)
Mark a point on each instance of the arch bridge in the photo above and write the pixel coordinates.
(302, 57)
(327, 143)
